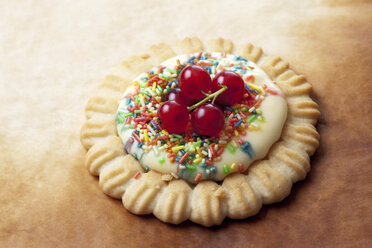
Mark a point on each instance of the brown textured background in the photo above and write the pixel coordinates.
(53, 55)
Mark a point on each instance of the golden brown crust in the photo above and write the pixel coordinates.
(207, 203)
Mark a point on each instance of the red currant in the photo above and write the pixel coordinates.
(174, 117)
(235, 87)
(207, 119)
(193, 80)
(177, 95)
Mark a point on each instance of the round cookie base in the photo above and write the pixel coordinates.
(173, 200)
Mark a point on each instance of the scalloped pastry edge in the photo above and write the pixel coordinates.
(208, 203)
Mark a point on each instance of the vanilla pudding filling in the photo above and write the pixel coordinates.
(251, 126)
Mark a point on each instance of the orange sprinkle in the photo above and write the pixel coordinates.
(271, 91)
(137, 175)
(198, 177)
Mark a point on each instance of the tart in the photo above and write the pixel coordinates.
(200, 131)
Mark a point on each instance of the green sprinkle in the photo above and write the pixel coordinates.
(197, 143)
(164, 76)
(128, 126)
(178, 136)
(128, 114)
(145, 93)
(226, 169)
(191, 167)
(187, 149)
(136, 99)
(237, 111)
(245, 109)
(252, 118)
(161, 160)
(174, 139)
(231, 148)
(120, 118)
(137, 111)
(159, 88)
(171, 70)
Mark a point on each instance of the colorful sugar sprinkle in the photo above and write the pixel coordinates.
(192, 153)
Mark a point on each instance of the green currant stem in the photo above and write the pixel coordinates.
(209, 96)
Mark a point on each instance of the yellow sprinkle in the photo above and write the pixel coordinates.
(258, 111)
(197, 161)
(153, 87)
(233, 166)
(165, 132)
(251, 127)
(177, 148)
(260, 118)
(236, 133)
(245, 95)
(146, 136)
(198, 150)
(254, 87)
(135, 83)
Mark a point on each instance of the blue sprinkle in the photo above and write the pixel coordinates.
(177, 160)
(135, 155)
(146, 168)
(136, 131)
(212, 169)
(203, 165)
(135, 115)
(256, 91)
(228, 108)
(182, 151)
(140, 145)
(240, 58)
(248, 88)
(247, 148)
(209, 70)
(238, 123)
(254, 112)
(176, 81)
(169, 84)
(151, 73)
(191, 60)
(147, 102)
(202, 57)
(128, 101)
(153, 125)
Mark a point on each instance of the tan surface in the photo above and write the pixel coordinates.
(53, 56)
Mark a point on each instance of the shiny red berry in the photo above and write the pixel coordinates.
(194, 80)
(234, 84)
(207, 119)
(173, 116)
(177, 95)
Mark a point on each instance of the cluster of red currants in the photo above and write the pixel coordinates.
(207, 118)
